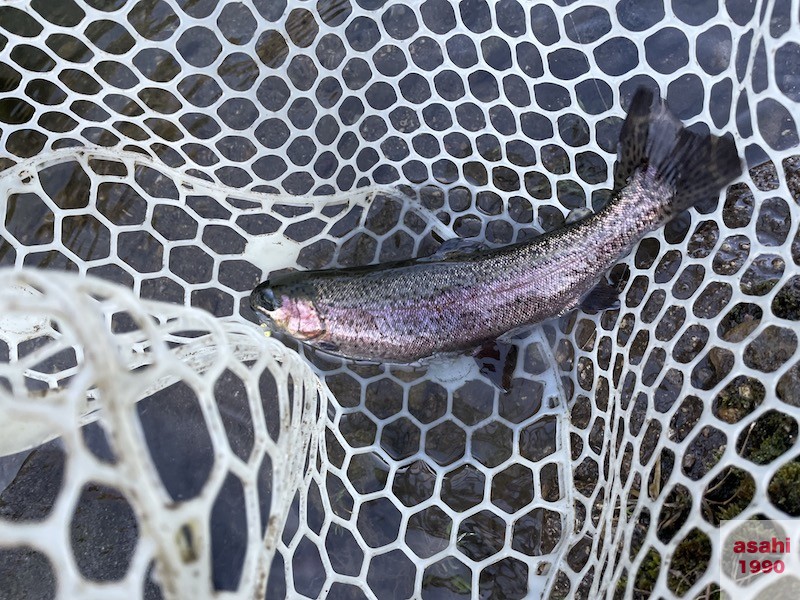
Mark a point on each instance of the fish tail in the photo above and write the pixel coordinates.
(693, 166)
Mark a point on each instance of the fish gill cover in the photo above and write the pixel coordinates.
(185, 150)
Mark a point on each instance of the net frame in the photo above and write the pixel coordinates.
(574, 348)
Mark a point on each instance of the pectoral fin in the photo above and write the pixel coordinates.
(328, 346)
(577, 214)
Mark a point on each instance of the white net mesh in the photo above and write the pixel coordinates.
(186, 149)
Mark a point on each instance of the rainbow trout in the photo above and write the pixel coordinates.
(457, 300)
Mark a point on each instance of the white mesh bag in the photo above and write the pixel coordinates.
(160, 158)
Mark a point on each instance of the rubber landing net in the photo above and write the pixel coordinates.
(160, 158)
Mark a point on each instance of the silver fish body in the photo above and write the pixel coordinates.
(411, 310)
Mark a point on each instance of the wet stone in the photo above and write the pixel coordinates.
(638, 346)
(685, 99)
(667, 50)
(791, 166)
(668, 391)
(585, 475)
(786, 303)
(555, 159)
(378, 522)
(739, 398)
(384, 398)
(141, 251)
(538, 440)
(317, 255)
(677, 229)
(703, 240)
(770, 436)
(427, 401)
(358, 250)
(39, 478)
(714, 49)
(368, 473)
(712, 300)
(731, 255)
(585, 372)
(400, 438)
(738, 209)
(616, 56)
(774, 222)
(492, 444)
(446, 575)
(776, 124)
(481, 535)
(522, 401)
(788, 388)
(739, 322)
(685, 418)
(164, 289)
(690, 344)
(445, 443)
(712, 368)
(512, 489)
(104, 533)
(702, 452)
(473, 402)
(343, 551)
(581, 412)
(625, 329)
(667, 266)
(762, 275)
(345, 389)
(191, 264)
(398, 246)
(653, 306)
(383, 215)
(771, 349)
(636, 291)
(29, 220)
(765, 176)
(428, 531)
(655, 363)
(217, 302)
(414, 483)
(638, 15)
(507, 578)
(357, 429)
(688, 281)
(463, 488)
(26, 573)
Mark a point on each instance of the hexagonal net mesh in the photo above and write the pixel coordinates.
(166, 156)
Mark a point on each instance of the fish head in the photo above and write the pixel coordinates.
(282, 311)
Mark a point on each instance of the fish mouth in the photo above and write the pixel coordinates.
(296, 316)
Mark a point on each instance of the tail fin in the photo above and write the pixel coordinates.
(695, 166)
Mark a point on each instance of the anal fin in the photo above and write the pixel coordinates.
(603, 296)
(497, 361)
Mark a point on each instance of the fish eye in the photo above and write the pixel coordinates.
(263, 298)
